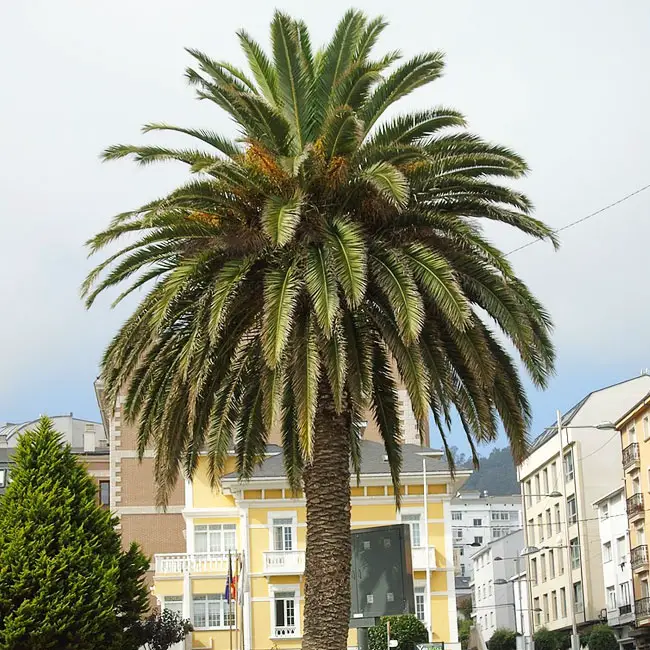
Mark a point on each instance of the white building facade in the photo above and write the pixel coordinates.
(478, 519)
(494, 601)
(559, 492)
(617, 570)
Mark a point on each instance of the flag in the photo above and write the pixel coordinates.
(230, 593)
(241, 582)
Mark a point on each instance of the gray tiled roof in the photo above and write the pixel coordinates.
(372, 461)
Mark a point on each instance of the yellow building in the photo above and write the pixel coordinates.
(263, 523)
(634, 428)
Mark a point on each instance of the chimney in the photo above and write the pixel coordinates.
(89, 438)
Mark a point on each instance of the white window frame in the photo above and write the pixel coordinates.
(568, 466)
(223, 612)
(607, 552)
(573, 515)
(646, 427)
(413, 512)
(278, 589)
(215, 528)
(610, 598)
(177, 600)
(558, 519)
(283, 514)
(479, 524)
(457, 533)
(3, 477)
(604, 510)
(456, 515)
(420, 594)
(575, 557)
(631, 434)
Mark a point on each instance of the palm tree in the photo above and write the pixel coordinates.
(323, 246)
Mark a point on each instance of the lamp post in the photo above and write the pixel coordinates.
(575, 639)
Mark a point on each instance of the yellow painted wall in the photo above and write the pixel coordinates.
(217, 639)
(440, 618)
(168, 588)
(204, 496)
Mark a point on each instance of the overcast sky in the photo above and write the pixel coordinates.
(564, 83)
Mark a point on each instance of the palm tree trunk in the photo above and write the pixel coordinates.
(328, 551)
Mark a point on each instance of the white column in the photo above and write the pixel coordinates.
(451, 577)
(245, 583)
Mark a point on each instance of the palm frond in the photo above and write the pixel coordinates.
(281, 216)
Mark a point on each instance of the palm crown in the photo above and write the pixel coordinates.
(315, 252)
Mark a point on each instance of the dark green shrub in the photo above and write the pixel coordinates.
(464, 627)
(602, 637)
(545, 639)
(407, 629)
(503, 639)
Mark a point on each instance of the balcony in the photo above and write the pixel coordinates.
(419, 557)
(179, 563)
(631, 456)
(277, 563)
(642, 608)
(623, 610)
(639, 558)
(635, 506)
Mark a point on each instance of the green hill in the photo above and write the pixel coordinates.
(496, 474)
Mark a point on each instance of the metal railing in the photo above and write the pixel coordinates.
(624, 609)
(639, 556)
(285, 631)
(635, 504)
(642, 607)
(630, 454)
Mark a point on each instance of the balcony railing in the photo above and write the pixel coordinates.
(642, 607)
(635, 505)
(285, 631)
(192, 563)
(631, 455)
(624, 609)
(284, 562)
(639, 556)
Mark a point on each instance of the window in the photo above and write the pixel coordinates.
(540, 527)
(624, 588)
(105, 493)
(531, 532)
(538, 488)
(461, 552)
(545, 481)
(611, 598)
(462, 569)
(537, 608)
(607, 552)
(620, 549)
(529, 491)
(499, 532)
(3, 478)
(456, 516)
(573, 509)
(604, 510)
(563, 602)
(645, 591)
(551, 563)
(457, 534)
(414, 522)
(542, 563)
(491, 619)
(215, 538)
(553, 475)
(558, 523)
(577, 597)
(478, 540)
(477, 522)
(640, 534)
(631, 434)
(420, 609)
(549, 523)
(285, 618)
(554, 605)
(174, 604)
(545, 608)
(533, 571)
(575, 553)
(646, 427)
(568, 466)
(560, 562)
(636, 485)
(283, 533)
(211, 611)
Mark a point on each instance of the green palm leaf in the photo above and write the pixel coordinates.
(280, 218)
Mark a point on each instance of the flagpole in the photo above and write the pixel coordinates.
(230, 597)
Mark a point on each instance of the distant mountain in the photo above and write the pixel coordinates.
(497, 474)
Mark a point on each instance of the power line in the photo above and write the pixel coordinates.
(589, 216)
